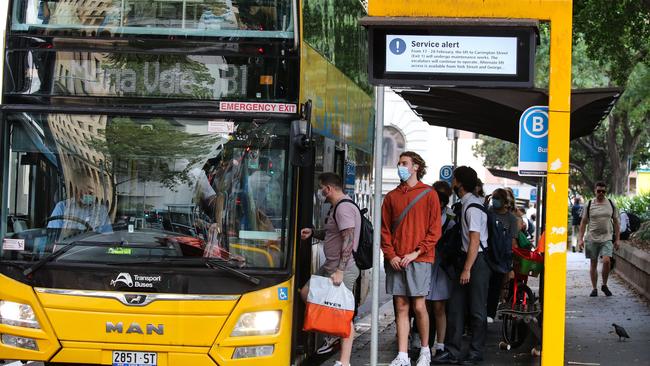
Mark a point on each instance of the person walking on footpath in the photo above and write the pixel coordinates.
(600, 220)
(469, 290)
(576, 217)
(409, 232)
(341, 238)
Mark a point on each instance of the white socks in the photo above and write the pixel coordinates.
(439, 346)
(425, 350)
(403, 356)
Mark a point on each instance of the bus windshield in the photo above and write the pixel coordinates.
(132, 189)
(106, 18)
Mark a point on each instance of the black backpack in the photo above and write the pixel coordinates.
(363, 254)
(449, 247)
(634, 222)
(499, 250)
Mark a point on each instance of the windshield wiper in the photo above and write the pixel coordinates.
(54, 255)
(213, 263)
(221, 264)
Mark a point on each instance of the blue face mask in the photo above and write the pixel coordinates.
(403, 173)
(496, 203)
(87, 199)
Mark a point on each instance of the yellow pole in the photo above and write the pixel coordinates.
(559, 13)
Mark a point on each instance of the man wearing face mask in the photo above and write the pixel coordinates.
(83, 208)
(341, 237)
(470, 289)
(409, 232)
(502, 209)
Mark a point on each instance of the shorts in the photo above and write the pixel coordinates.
(349, 277)
(594, 250)
(440, 289)
(413, 281)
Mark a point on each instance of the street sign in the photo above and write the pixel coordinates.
(533, 141)
(446, 172)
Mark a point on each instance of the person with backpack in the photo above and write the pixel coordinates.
(409, 232)
(341, 237)
(600, 219)
(470, 287)
(502, 210)
(576, 217)
(439, 292)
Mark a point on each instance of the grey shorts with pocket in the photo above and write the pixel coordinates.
(349, 277)
(412, 281)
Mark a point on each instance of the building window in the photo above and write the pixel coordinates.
(393, 146)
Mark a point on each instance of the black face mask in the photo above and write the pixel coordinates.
(456, 191)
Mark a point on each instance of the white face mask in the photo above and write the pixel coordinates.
(321, 197)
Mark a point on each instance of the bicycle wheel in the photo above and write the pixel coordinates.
(515, 331)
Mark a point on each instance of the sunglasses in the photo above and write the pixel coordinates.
(600, 191)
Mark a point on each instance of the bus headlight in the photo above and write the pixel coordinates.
(19, 342)
(257, 323)
(17, 314)
(252, 351)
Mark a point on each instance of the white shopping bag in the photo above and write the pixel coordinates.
(330, 308)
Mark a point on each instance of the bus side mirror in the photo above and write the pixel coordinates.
(300, 150)
(301, 144)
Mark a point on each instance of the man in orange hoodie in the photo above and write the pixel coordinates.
(410, 229)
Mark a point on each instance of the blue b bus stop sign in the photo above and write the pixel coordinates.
(533, 141)
(446, 172)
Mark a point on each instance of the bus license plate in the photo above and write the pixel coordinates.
(128, 358)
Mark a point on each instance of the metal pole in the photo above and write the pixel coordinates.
(376, 266)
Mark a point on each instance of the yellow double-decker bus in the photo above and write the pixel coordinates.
(158, 159)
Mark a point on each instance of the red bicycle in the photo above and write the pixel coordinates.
(520, 312)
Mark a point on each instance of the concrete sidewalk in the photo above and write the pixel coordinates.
(588, 323)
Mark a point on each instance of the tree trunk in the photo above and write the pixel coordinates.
(620, 150)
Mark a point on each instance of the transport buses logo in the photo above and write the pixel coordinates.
(136, 280)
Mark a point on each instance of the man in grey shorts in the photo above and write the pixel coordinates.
(601, 220)
(410, 229)
(341, 237)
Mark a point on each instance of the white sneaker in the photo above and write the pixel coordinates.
(329, 344)
(424, 359)
(338, 363)
(399, 362)
(490, 320)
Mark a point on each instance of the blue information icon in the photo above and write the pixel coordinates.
(397, 46)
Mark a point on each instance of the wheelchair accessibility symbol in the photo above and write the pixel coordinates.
(283, 294)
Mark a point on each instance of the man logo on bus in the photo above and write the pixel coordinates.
(124, 278)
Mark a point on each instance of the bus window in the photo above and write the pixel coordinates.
(130, 189)
(230, 18)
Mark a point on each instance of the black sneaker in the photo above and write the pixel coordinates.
(605, 289)
(444, 358)
(594, 293)
(472, 360)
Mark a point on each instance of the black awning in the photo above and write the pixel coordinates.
(512, 175)
(495, 112)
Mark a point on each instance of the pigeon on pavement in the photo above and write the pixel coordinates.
(620, 331)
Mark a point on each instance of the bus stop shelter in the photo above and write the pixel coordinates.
(496, 112)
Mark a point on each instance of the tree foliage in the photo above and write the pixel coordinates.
(160, 152)
(610, 48)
